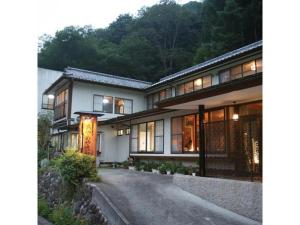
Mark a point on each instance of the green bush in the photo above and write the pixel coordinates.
(125, 164)
(43, 208)
(75, 166)
(63, 216)
(162, 168)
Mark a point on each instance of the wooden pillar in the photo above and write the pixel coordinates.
(87, 134)
(201, 142)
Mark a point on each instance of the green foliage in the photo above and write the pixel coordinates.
(42, 154)
(63, 216)
(43, 208)
(162, 39)
(44, 123)
(75, 166)
(125, 164)
(162, 168)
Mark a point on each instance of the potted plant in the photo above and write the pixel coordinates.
(169, 168)
(194, 171)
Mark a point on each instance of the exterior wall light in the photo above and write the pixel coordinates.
(235, 117)
(51, 96)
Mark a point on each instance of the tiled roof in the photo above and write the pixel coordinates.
(104, 78)
(210, 62)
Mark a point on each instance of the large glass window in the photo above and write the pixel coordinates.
(215, 80)
(189, 133)
(198, 84)
(206, 81)
(150, 101)
(184, 137)
(180, 89)
(123, 106)
(61, 104)
(134, 138)
(188, 87)
(150, 136)
(215, 131)
(258, 63)
(162, 94)
(168, 92)
(147, 137)
(176, 135)
(159, 136)
(225, 76)
(103, 103)
(236, 72)
(249, 68)
(47, 102)
(142, 137)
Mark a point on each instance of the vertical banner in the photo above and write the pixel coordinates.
(88, 134)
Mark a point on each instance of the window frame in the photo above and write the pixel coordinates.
(63, 104)
(138, 141)
(103, 96)
(114, 105)
(46, 106)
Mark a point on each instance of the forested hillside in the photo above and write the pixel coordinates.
(162, 39)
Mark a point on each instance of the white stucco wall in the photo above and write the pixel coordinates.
(45, 78)
(82, 97)
(115, 148)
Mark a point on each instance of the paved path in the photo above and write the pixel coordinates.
(42, 221)
(151, 199)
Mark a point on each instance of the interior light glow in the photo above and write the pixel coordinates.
(235, 117)
(105, 101)
(198, 82)
(51, 96)
(252, 67)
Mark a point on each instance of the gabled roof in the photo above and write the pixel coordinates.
(103, 78)
(211, 62)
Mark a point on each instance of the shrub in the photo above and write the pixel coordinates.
(63, 216)
(125, 164)
(75, 166)
(45, 163)
(43, 208)
(162, 168)
(181, 169)
(170, 167)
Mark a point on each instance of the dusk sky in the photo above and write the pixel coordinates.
(54, 15)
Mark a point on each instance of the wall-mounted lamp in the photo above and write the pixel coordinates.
(51, 96)
(235, 115)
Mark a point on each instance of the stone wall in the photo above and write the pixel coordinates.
(51, 187)
(242, 197)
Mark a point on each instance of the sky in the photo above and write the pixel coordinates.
(54, 15)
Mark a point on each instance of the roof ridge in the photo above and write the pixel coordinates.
(108, 75)
(235, 51)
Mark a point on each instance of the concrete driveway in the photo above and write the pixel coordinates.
(152, 199)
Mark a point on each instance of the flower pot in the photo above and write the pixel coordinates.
(131, 168)
(193, 174)
(154, 171)
(168, 172)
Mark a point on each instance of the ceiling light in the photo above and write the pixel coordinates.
(51, 96)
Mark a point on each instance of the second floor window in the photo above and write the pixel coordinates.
(123, 106)
(103, 103)
(61, 104)
(47, 102)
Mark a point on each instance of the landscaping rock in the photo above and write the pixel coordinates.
(50, 187)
